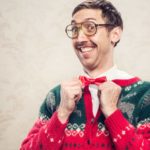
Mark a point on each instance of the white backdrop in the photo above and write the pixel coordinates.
(35, 55)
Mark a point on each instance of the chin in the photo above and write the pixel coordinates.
(89, 66)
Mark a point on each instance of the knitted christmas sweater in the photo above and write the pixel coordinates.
(128, 128)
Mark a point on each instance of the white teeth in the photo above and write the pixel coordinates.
(86, 49)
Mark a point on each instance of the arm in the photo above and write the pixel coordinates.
(125, 135)
(45, 135)
(48, 132)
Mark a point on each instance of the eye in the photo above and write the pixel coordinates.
(74, 29)
(89, 26)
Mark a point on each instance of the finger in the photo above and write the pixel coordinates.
(105, 85)
(77, 94)
(73, 92)
(75, 88)
(99, 93)
(77, 98)
(77, 80)
(100, 87)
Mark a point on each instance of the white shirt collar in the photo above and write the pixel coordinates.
(113, 73)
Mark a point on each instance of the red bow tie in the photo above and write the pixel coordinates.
(86, 81)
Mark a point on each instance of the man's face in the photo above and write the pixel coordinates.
(93, 51)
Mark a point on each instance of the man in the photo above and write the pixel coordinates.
(104, 109)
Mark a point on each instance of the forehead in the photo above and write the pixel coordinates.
(88, 14)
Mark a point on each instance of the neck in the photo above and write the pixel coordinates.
(94, 72)
(97, 72)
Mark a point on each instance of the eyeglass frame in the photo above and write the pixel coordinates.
(79, 28)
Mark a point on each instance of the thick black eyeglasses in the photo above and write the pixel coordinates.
(89, 28)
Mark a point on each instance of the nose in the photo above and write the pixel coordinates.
(81, 36)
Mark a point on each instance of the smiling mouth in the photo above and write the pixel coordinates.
(85, 46)
(86, 49)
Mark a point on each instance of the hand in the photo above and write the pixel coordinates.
(71, 92)
(109, 95)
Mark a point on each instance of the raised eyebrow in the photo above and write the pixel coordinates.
(73, 21)
(86, 19)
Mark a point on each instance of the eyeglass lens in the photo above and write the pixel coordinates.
(89, 28)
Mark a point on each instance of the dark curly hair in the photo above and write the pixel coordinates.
(109, 12)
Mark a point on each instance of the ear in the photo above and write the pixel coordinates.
(115, 34)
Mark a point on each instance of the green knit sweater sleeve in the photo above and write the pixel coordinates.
(50, 103)
(144, 107)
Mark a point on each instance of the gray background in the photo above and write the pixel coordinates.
(36, 55)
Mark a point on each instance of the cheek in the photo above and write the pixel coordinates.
(103, 42)
(97, 38)
(101, 37)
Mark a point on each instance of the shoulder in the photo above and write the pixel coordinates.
(137, 91)
(140, 87)
(143, 108)
(50, 103)
(53, 94)
(145, 92)
(56, 89)
(135, 101)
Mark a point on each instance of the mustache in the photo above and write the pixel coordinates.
(79, 45)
